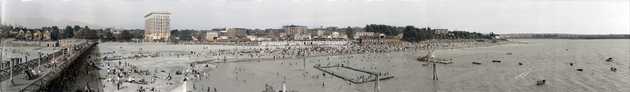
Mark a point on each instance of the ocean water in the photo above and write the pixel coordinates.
(542, 59)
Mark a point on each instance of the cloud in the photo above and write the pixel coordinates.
(502, 16)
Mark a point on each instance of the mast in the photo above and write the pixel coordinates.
(10, 62)
(433, 48)
(377, 87)
(1, 55)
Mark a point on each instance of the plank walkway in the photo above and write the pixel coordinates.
(321, 68)
(49, 71)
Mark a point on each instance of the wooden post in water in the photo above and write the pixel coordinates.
(39, 62)
(435, 77)
(376, 86)
(303, 60)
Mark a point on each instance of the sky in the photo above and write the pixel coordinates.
(499, 16)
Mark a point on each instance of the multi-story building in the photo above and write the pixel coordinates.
(157, 26)
(294, 29)
(236, 32)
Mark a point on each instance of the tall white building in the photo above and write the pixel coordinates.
(157, 26)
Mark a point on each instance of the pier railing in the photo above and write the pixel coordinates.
(56, 71)
(46, 69)
(20, 66)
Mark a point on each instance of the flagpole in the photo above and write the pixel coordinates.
(2, 58)
(3, 16)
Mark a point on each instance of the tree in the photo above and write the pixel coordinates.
(468, 35)
(173, 37)
(491, 35)
(106, 35)
(68, 32)
(425, 34)
(54, 28)
(410, 34)
(385, 29)
(184, 35)
(54, 33)
(76, 30)
(125, 35)
(350, 33)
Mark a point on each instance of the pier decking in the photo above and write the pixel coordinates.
(46, 68)
(357, 80)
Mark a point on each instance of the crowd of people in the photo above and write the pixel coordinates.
(122, 74)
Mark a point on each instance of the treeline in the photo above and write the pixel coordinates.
(385, 29)
(413, 34)
(53, 33)
(187, 35)
(406, 33)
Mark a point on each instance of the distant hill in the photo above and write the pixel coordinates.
(564, 36)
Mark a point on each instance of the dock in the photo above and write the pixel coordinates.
(42, 70)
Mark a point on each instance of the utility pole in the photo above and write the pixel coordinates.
(304, 59)
(11, 71)
(1, 61)
(2, 11)
(40, 61)
(377, 87)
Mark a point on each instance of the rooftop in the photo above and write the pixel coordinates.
(156, 12)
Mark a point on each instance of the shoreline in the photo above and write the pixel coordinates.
(200, 66)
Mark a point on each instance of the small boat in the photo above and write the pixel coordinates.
(609, 60)
(443, 62)
(541, 82)
(425, 58)
(579, 70)
(476, 63)
(496, 61)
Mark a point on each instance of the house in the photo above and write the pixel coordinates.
(212, 35)
(366, 35)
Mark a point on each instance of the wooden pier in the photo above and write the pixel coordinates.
(379, 76)
(52, 66)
